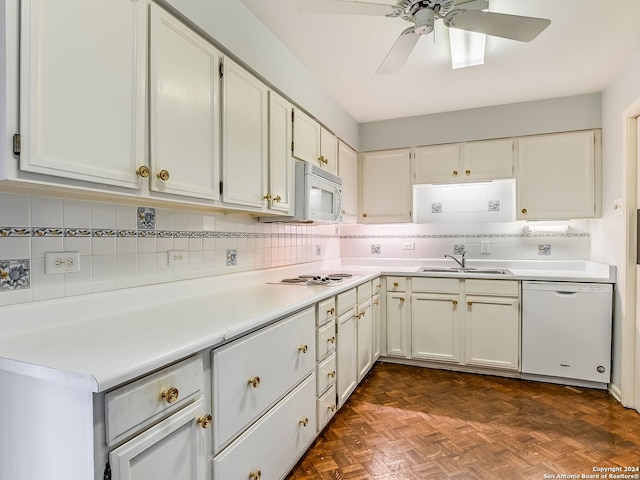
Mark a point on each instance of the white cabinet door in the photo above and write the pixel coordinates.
(487, 160)
(82, 89)
(178, 447)
(365, 339)
(184, 110)
(397, 324)
(328, 151)
(493, 332)
(281, 164)
(347, 358)
(437, 164)
(386, 186)
(375, 314)
(306, 137)
(348, 172)
(244, 137)
(556, 176)
(435, 324)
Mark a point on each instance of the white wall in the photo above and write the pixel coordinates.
(579, 112)
(608, 233)
(237, 31)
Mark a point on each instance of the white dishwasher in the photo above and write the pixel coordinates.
(566, 332)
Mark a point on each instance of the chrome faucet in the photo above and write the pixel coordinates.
(459, 262)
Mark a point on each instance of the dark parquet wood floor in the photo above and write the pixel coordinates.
(409, 423)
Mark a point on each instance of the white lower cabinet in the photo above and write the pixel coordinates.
(397, 329)
(177, 447)
(347, 361)
(252, 373)
(270, 448)
(435, 326)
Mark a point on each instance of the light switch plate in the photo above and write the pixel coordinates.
(485, 246)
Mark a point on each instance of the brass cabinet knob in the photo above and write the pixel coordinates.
(170, 395)
(401, 299)
(332, 374)
(524, 211)
(376, 302)
(143, 171)
(455, 302)
(304, 421)
(455, 173)
(255, 475)
(467, 172)
(323, 160)
(331, 339)
(469, 304)
(254, 382)
(163, 175)
(396, 284)
(331, 311)
(205, 421)
(278, 198)
(267, 197)
(331, 408)
(303, 348)
(364, 215)
(361, 314)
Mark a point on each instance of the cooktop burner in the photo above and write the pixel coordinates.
(327, 279)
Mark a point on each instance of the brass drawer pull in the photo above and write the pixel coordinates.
(467, 172)
(455, 302)
(267, 196)
(455, 173)
(332, 374)
(205, 421)
(170, 395)
(163, 175)
(401, 299)
(331, 339)
(303, 348)
(304, 422)
(143, 171)
(331, 311)
(254, 382)
(524, 211)
(255, 475)
(396, 284)
(277, 198)
(331, 408)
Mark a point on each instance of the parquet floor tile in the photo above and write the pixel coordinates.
(409, 423)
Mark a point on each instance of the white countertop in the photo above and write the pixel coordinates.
(96, 342)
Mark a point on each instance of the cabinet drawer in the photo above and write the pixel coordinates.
(396, 284)
(508, 288)
(326, 310)
(252, 373)
(133, 407)
(327, 406)
(346, 300)
(326, 374)
(287, 429)
(326, 340)
(364, 292)
(439, 285)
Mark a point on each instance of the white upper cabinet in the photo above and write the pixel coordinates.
(386, 186)
(464, 162)
(348, 172)
(313, 143)
(82, 89)
(245, 116)
(281, 163)
(184, 110)
(557, 176)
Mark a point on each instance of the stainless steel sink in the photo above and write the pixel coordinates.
(486, 271)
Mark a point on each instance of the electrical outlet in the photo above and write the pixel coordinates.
(485, 246)
(409, 245)
(61, 262)
(176, 257)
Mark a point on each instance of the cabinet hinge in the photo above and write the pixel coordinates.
(221, 69)
(220, 187)
(107, 472)
(292, 147)
(17, 144)
(293, 115)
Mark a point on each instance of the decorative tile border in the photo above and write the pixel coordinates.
(468, 235)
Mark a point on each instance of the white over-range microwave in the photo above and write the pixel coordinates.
(318, 197)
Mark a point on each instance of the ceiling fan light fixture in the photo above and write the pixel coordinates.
(424, 21)
(467, 48)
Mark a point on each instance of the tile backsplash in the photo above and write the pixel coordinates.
(122, 246)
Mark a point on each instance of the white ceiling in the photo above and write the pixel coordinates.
(582, 51)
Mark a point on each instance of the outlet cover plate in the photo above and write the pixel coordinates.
(61, 262)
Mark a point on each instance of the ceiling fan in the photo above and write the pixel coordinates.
(423, 13)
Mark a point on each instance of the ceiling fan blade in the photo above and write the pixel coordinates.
(399, 53)
(343, 7)
(514, 27)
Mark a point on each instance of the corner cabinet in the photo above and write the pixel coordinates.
(82, 89)
(183, 109)
(558, 176)
(244, 137)
(386, 195)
